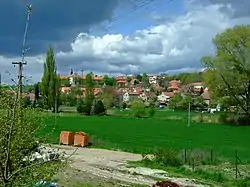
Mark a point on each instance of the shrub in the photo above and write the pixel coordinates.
(234, 119)
(138, 109)
(27, 102)
(223, 118)
(167, 157)
(80, 107)
(151, 111)
(124, 105)
(99, 108)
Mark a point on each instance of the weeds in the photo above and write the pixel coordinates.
(192, 163)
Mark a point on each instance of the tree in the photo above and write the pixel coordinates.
(18, 141)
(76, 91)
(199, 103)
(151, 111)
(89, 93)
(124, 105)
(80, 107)
(174, 102)
(50, 86)
(99, 108)
(68, 99)
(109, 81)
(128, 79)
(139, 77)
(26, 102)
(145, 80)
(108, 96)
(138, 109)
(228, 72)
(36, 101)
(201, 90)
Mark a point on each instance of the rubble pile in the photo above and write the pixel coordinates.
(44, 154)
(46, 184)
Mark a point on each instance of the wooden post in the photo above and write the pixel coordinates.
(236, 164)
(211, 155)
(185, 156)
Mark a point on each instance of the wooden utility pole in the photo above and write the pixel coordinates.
(82, 78)
(23, 62)
(189, 111)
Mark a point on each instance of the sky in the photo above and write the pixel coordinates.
(114, 37)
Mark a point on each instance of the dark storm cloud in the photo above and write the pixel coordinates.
(53, 22)
(241, 7)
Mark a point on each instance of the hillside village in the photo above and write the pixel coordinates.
(157, 89)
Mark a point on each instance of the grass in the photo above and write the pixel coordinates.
(207, 175)
(145, 135)
(167, 114)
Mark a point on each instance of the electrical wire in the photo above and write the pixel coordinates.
(143, 4)
(121, 16)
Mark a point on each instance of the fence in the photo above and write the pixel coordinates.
(197, 157)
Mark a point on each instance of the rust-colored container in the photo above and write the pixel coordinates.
(66, 138)
(81, 139)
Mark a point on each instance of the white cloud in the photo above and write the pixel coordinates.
(172, 46)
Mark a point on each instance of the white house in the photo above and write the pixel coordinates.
(143, 97)
(125, 97)
(71, 80)
(152, 79)
(163, 98)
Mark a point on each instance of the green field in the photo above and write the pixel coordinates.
(144, 135)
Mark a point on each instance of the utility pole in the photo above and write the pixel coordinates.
(56, 90)
(23, 62)
(82, 77)
(189, 108)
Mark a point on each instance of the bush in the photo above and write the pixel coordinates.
(234, 119)
(167, 157)
(80, 107)
(99, 108)
(138, 109)
(26, 102)
(124, 105)
(151, 111)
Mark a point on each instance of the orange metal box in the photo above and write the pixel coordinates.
(66, 138)
(81, 139)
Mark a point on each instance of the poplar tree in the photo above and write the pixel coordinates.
(89, 92)
(50, 86)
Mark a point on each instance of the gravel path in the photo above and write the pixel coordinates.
(113, 165)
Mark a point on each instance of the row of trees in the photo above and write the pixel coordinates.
(182, 102)
(106, 80)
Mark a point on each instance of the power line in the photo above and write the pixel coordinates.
(135, 8)
(143, 4)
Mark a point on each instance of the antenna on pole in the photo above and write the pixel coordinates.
(24, 50)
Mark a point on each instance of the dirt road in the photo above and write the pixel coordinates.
(113, 165)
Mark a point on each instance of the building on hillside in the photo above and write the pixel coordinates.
(197, 86)
(65, 90)
(164, 97)
(121, 81)
(206, 96)
(132, 95)
(143, 97)
(174, 86)
(125, 97)
(75, 79)
(152, 79)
